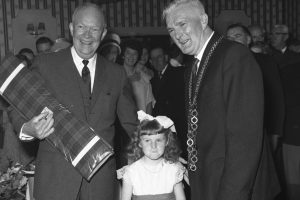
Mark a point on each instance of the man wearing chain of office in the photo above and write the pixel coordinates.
(224, 98)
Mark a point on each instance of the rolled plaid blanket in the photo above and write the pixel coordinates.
(77, 142)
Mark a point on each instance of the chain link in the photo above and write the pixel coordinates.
(193, 117)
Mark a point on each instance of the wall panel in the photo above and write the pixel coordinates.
(143, 17)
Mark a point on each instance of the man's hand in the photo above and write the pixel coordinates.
(40, 126)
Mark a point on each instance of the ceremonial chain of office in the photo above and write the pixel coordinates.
(193, 113)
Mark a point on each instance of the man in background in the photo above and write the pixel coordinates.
(279, 46)
(43, 45)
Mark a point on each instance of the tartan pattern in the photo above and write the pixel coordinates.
(28, 95)
(6, 70)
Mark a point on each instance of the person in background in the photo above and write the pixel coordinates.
(273, 92)
(97, 102)
(139, 75)
(159, 61)
(110, 47)
(155, 172)
(169, 90)
(27, 55)
(290, 77)
(60, 44)
(279, 46)
(43, 45)
(289, 62)
(144, 60)
(224, 98)
(238, 33)
(258, 39)
(274, 100)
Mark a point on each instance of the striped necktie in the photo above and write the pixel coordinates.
(86, 77)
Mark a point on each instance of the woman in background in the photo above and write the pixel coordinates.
(139, 75)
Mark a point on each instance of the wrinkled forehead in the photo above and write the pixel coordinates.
(156, 52)
(89, 14)
(182, 12)
(235, 30)
(256, 31)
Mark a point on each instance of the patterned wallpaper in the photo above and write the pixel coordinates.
(143, 17)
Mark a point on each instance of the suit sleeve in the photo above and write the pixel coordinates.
(243, 97)
(126, 106)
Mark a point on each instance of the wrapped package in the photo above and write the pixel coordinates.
(76, 141)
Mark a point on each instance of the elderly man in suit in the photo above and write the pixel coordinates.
(224, 98)
(86, 84)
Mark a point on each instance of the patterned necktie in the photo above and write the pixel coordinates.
(195, 67)
(86, 77)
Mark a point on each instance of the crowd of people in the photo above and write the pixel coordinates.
(210, 116)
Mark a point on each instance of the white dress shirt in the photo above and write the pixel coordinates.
(200, 55)
(79, 65)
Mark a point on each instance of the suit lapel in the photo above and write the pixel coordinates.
(70, 74)
(99, 81)
(188, 72)
(210, 44)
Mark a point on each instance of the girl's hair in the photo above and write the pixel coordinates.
(153, 127)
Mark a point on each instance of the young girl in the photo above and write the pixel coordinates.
(156, 173)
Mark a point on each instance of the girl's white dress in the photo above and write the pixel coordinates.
(152, 183)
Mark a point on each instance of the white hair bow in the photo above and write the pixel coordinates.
(163, 120)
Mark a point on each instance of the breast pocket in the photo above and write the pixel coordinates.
(105, 105)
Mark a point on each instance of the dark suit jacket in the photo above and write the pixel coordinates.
(55, 178)
(169, 95)
(290, 76)
(283, 59)
(273, 93)
(230, 129)
(168, 91)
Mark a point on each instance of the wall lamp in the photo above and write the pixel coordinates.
(36, 31)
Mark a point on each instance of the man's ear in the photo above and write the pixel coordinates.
(286, 37)
(166, 57)
(103, 34)
(71, 27)
(204, 20)
(150, 61)
(248, 40)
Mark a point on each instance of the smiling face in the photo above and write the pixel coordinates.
(87, 29)
(153, 146)
(185, 25)
(145, 56)
(158, 59)
(130, 57)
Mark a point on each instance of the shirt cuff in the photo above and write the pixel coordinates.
(23, 136)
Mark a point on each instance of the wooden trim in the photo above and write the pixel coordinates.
(5, 31)
(140, 31)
